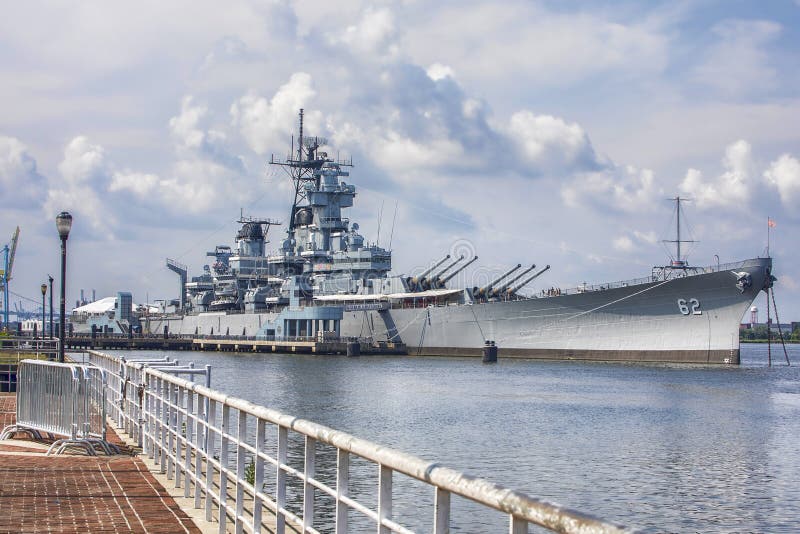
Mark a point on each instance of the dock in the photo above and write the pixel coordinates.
(81, 493)
(232, 344)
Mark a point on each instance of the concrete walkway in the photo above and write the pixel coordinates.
(79, 493)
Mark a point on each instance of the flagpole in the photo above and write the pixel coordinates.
(768, 227)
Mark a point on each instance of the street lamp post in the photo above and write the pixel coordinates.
(44, 325)
(50, 278)
(63, 224)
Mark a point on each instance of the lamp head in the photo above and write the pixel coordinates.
(44, 289)
(64, 224)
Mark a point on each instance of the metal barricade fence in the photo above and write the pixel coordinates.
(47, 398)
(95, 386)
(262, 470)
(61, 399)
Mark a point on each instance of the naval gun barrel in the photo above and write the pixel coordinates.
(416, 283)
(429, 281)
(507, 283)
(527, 281)
(426, 272)
(440, 282)
(485, 289)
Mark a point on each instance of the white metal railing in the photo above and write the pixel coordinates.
(217, 447)
(15, 349)
(63, 399)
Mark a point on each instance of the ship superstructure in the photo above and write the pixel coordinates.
(325, 279)
(322, 252)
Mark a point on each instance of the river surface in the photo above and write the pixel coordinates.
(657, 447)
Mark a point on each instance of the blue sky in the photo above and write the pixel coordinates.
(546, 132)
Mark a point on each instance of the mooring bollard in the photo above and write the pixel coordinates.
(489, 352)
(354, 348)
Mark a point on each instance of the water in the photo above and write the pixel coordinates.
(658, 447)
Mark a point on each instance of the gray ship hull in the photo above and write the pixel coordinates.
(691, 319)
(643, 322)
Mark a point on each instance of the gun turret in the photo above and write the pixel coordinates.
(497, 291)
(429, 281)
(527, 281)
(485, 289)
(416, 282)
(440, 282)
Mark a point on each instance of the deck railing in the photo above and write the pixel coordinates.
(253, 468)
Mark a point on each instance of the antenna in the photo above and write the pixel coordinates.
(300, 145)
(394, 218)
(678, 262)
(380, 219)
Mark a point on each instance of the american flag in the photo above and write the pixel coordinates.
(771, 223)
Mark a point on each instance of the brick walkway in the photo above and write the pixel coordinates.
(78, 493)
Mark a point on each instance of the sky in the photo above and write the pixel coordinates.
(519, 131)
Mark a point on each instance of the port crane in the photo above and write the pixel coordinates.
(9, 251)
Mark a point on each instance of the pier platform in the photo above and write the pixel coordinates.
(78, 493)
(230, 344)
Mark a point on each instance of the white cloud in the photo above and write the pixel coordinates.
(194, 185)
(184, 126)
(264, 124)
(228, 48)
(731, 187)
(555, 48)
(437, 72)
(83, 163)
(197, 185)
(646, 237)
(21, 185)
(373, 34)
(85, 175)
(551, 144)
(141, 184)
(619, 188)
(393, 151)
(784, 174)
(194, 142)
(623, 244)
(738, 63)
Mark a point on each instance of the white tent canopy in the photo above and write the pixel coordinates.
(103, 305)
(106, 305)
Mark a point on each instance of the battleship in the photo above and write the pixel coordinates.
(326, 281)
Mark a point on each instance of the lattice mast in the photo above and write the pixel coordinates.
(301, 166)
